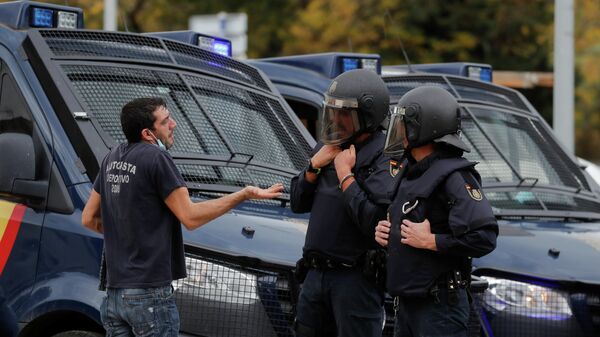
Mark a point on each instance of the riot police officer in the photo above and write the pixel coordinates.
(345, 188)
(439, 216)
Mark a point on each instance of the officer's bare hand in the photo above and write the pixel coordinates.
(325, 155)
(382, 232)
(417, 234)
(253, 192)
(344, 162)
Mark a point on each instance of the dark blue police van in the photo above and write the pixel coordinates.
(61, 90)
(541, 279)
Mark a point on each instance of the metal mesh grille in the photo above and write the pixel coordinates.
(534, 200)
(514, 200)
(106, 89)
(398, 86)
(201, 59)
(518, 140)
(480, 91)
(232, 176)
(82, 43)
(104, 44)
(558, 202)
(466, 89)
(222, 298)
(516, 309)
(255, 126)
(491, 167)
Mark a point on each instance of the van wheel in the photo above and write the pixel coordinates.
(79, 333)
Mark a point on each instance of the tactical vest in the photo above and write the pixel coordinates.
(412, 271)
(332, 230)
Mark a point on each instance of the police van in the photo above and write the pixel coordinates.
(61, 91)
(542, 279)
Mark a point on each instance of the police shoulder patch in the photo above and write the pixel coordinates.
(394, 167)
(474, 193)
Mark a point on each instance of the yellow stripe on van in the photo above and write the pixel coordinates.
(6, 209)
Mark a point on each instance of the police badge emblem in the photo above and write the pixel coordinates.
(394, 167)
(474, 193)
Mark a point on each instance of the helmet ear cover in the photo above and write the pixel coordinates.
(365, 105)
(411, 122)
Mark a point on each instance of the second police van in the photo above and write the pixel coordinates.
(542, 279)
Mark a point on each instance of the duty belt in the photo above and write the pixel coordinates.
(452, 282)
(325, 263)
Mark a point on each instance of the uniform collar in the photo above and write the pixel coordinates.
(416, 169)
(368, 150)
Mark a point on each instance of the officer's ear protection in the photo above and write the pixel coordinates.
(365, 103)
(411, 122)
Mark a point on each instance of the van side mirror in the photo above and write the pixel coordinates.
(17, 167)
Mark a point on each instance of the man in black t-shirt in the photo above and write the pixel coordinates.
(138, 201)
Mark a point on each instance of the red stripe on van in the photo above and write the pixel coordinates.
(10, 234)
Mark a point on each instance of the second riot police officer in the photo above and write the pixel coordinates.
(345, 189)
(439, 216)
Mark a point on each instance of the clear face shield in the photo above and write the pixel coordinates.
(396, 134)
(340, 120)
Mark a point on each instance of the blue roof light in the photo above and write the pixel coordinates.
(41, 17)
(215, 45)
(486, 75)
(222, 48)
(24, 14)
(479, 72)
(349, 64)
(359, 62)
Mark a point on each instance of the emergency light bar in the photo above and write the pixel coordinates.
(211, 43)
(29, 14)
(476, 71)
(216, 45)
(330, 65)
(480, 73)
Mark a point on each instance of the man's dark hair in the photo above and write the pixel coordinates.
(137, 116)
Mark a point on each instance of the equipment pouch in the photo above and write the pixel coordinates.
(301, 270)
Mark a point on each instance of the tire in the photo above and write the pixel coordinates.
(78, 333)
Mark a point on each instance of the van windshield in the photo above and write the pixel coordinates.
(524, 171)
(232, 128)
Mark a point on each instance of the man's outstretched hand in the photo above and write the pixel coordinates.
(253, 192)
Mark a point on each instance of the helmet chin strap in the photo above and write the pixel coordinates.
(346, 145)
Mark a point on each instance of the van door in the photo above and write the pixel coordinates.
(24, 176)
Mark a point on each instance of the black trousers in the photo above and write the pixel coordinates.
(339, 302)
(423, 317)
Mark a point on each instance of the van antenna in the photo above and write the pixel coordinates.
(124, 19)
(350, 43)
(391, 20)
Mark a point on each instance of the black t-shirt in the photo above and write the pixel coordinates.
(142, 237)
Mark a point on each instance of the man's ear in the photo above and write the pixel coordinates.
(146, 136)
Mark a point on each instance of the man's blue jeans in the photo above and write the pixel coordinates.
(140, 312)
(426, 317)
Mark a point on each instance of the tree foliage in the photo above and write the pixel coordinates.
(587, 49)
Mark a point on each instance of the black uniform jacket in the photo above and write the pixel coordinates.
(447, 191)
(342, 224)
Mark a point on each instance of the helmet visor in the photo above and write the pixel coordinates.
(340, 120)
(396, 134)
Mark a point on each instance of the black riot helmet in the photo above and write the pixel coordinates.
(423, 115)
(356, 102)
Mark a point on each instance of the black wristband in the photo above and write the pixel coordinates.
(312, 169)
